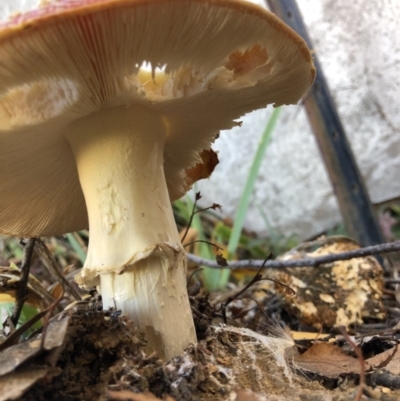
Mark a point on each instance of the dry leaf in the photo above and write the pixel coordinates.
(388, 360)
(14, 356)
(14, 385)
(393, 366)
(37, 295)
(326, 359)
(129, 395)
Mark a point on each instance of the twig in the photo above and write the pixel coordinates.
(260, 308)
(391, 280)
(192, 274)
(360, 358)
(212, 207)
(47, 316)
(49, 261)
(257, 277)
(202, 241)
(313, 262)
(194, 211)
(289, 289)
(197, 197)
(22, 291)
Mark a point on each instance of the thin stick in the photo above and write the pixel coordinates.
(22, 290)
(313, 262)
(197, 197)
(257, 277)
(52, 266)
(202, 241)
(192, 274)
(360, 358)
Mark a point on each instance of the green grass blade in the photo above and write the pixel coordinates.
(217, 278)
(76, 246)
(248, 189)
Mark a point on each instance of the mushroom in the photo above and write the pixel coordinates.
(105, 106)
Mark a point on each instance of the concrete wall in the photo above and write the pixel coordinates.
(358, 45)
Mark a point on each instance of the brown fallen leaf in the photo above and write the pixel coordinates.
(394, 364)
(129, 395)
(327, 359)
(14, 385)
(37, 295)
(388, 360)
(16, 355)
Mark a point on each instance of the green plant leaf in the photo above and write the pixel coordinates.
(251, 180)
(218, 278)
(77, 247)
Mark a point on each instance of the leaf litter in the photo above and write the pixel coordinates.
(90, 354)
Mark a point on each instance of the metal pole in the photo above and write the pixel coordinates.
(354, 202)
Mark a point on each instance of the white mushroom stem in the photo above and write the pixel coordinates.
(134, 244)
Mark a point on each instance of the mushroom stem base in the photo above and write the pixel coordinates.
(151, 295)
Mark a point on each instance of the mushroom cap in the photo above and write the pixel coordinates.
(211, 62)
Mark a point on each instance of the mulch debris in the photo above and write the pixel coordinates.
(246, 351)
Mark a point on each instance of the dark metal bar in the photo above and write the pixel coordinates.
(355, 206)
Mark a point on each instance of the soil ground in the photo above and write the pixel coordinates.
(102, 352)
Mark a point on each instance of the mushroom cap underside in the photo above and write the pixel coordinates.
(209, 62)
